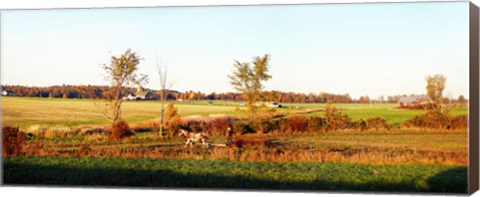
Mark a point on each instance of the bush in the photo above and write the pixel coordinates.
(140, 129)
(377, 124)
(360, 125)
(153, 124)
(218, 126)
(437, 119)
(425, 106)
(194, 125)
(91, 130)
(338, 122)
(459, 122)
(119, 130)
(297, 124)
(172, 120)
(264, 125)
(13, 141)
(315, 124)
(334, 119)
(282, 125)
(242, 127)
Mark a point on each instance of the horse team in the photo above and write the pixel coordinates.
(201, 137)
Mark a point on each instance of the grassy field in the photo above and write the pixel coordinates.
(233, 174)
(24, 112)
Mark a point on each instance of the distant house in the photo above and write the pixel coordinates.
(414, 101)
(7, 93)
(268, 104)
(144, 95)
(141, 94)
(130, 96)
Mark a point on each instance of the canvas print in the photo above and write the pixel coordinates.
(318, 97)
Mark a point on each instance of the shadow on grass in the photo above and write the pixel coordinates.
(452, 180)
(449, 181)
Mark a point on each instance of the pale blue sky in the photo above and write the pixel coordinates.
(360, 49)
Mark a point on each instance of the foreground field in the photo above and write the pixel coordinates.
(375, 147)
(67, 146)
(231, 174)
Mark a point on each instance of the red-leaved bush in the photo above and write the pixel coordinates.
(13, 141)
(119, 130)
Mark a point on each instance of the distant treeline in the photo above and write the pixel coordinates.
(93, 91)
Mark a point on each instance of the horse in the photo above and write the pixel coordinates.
(241, 141)
(191, 138)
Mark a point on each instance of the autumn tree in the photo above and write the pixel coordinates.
(121, 73)
(461, 99)
(172, 119)
(435, 86)
(248, 79)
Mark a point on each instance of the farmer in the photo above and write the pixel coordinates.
(229, 135)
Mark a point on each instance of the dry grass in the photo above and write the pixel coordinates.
(374, 148)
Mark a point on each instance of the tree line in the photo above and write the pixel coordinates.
(95, 91)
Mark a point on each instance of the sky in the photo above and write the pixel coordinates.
(359, 49)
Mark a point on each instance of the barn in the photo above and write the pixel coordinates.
(7, 93)
(418, 101)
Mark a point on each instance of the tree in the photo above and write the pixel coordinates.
(248, 80)
(121, 73)
(461, 99)
(435, 87)
(164, 87)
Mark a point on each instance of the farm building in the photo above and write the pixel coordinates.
(268, 104)
(7, 93)
(414, 101)
(141, 94)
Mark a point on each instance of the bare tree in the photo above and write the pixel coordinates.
(165, 85)
(121, 73)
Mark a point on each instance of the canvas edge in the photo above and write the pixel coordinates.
(474, 86)
(473, 134)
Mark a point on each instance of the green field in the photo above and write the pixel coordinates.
(24, 112)
(233, 174)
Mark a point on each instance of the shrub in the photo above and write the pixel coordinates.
(91, 130)
(337, 122)
(459, 122)
(437, 119)
(13, 141)
(140, 129)
(194, 125)
(282, 125)
(242, 127)
(264, 125)
(218, 126)
(153, 124)
(334, 119)
(377, 124)
(360, 125)
(315, 124)
(297, 124)
(119, 130)
(172, 120)
(425, 106)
